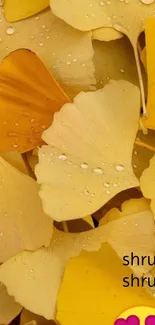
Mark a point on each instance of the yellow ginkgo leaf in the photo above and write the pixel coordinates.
(27, 317)
(88, 157)
(29, 96)
(66, 52)
(106, 34)
(23, 225)
(115, 60)
(9, 309)
(34, 278)
(17, 9)
(147, 183)
(97, 296)
(15, 159)
(149, 122)
(126, 17)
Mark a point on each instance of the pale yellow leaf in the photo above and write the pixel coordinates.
(34, 278)
(17, 9)
(128, 17)
(106, 34)
(147, 183)
(23, 224)
(9, 309)
(88, 157)
(15, 159)
(66, 52)
(97, 296)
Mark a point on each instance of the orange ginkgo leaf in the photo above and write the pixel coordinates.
(29, 96)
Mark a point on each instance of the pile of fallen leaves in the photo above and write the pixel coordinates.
(77, 158)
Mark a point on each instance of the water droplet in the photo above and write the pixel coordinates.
(108, 192)
(135, 166)
(68, 62)
(119, 168)
(15, 145)
(115, 185)
(135, 153)
(106, 184)
(1, 234)
(83, 65)
(74, 60)
(84, 166)
(36, 18)
(43, 127)
(32, 37)
(101, 3)
(92, 194)
(41, 44)
(147, 2)
(10, 30)
(32, 120)
(1, 3)
(122, 70)
(98, 171)
(86, 16)
(86, 192)
(47, 37)
(31, 270)
(16, 124)
(43, 26)
(12, 134)
(62, 157)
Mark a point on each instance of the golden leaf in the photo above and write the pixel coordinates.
(34, 278)
(29, 96)
(23, 225)
(97, 296)
(90, 145)
(17, 9)
(15, 159)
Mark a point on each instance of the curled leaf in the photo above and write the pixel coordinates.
(23, 225)
(88, 157)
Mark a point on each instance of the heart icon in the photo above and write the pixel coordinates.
(131, 320)
(150, 320)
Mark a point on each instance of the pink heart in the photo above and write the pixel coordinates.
(150, 320)
(131, 320)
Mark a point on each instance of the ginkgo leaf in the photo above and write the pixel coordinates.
(126, 17)
(98, 287)
(66, 52)
(106, 34)
(9, 309)
(115, 60)
(23, 225)
(149, 122)
(88, 157)
(29, 96)
(17, 9)
(27, 316)
(15, 159)
(34, 278)
(130, 208)
(147, 183)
